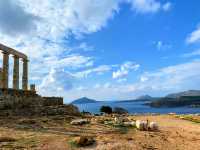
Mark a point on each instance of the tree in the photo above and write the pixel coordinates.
(120, 110)
(106, 109)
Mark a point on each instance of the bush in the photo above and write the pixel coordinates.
(119, 110)
(106, 109)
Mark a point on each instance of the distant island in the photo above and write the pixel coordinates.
(84, 100)
(189, 98)
(185, 93)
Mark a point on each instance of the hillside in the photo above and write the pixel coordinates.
(185, 93)
(83, 100)
(176, 102)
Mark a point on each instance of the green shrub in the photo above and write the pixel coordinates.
(106, 109)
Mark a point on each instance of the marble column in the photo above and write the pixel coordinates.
(16, 73)
(5, 70)
(1, 73)
(25, 75)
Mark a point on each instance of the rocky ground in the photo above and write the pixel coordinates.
(56, 133)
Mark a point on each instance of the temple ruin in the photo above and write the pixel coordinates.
(4, 71)
(23, 101)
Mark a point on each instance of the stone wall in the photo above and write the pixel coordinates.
(29, 104)
(53, 101)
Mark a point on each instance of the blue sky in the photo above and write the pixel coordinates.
(106, 49)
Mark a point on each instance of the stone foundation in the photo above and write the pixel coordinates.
(28, 103)
(53, 101)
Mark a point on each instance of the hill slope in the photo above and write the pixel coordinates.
(185, 93)
(176, 102)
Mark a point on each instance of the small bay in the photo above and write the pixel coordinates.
(135, 107)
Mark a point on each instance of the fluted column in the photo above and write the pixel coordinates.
(5, 70)
(1, 73)
(25, 75)
(16, 73)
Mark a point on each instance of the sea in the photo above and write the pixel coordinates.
(135, 108)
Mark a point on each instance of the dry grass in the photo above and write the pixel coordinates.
(116, 146)
(55, 133)
(7, 139)
(193, 118)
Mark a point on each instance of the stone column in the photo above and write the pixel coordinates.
(5, 70)
(1, 73)
(25, 75)
(16, 73)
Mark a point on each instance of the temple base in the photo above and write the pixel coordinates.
(20, 102)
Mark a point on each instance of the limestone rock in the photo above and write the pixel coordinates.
(142, 125)
(79, 122)
(153, 126)
(84, 141)
(120, 120)
(129, 123)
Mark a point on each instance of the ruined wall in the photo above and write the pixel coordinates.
(53, 101)
(24, 104)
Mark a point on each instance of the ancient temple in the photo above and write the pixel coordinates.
(4, 71)
(23, 101)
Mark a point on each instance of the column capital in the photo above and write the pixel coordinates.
(5, 53)
(25, 60)
(15, 56)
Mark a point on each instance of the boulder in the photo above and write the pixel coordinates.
(84, 141)
(120, 120)
(129, 124)
(153, 126)
(79, 122)
(141, 125)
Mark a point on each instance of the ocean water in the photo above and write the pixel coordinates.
(136, 107)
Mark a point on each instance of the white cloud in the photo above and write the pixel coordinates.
(47, 46)
(156, 83)
(194, 36)
(121, 80)
(56, 82)
(193, 53)
(167, 6)
(98, 70)
(160, 45)
(70, 61)
(84, 46)
(149, 6)
(143, 78)
(172, 78)
(14, 20)
(125, 69)
(145, 6)
(42, 30)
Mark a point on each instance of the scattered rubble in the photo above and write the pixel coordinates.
(79, 122)
(153, 126)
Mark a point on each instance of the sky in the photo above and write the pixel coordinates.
(105, 49)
